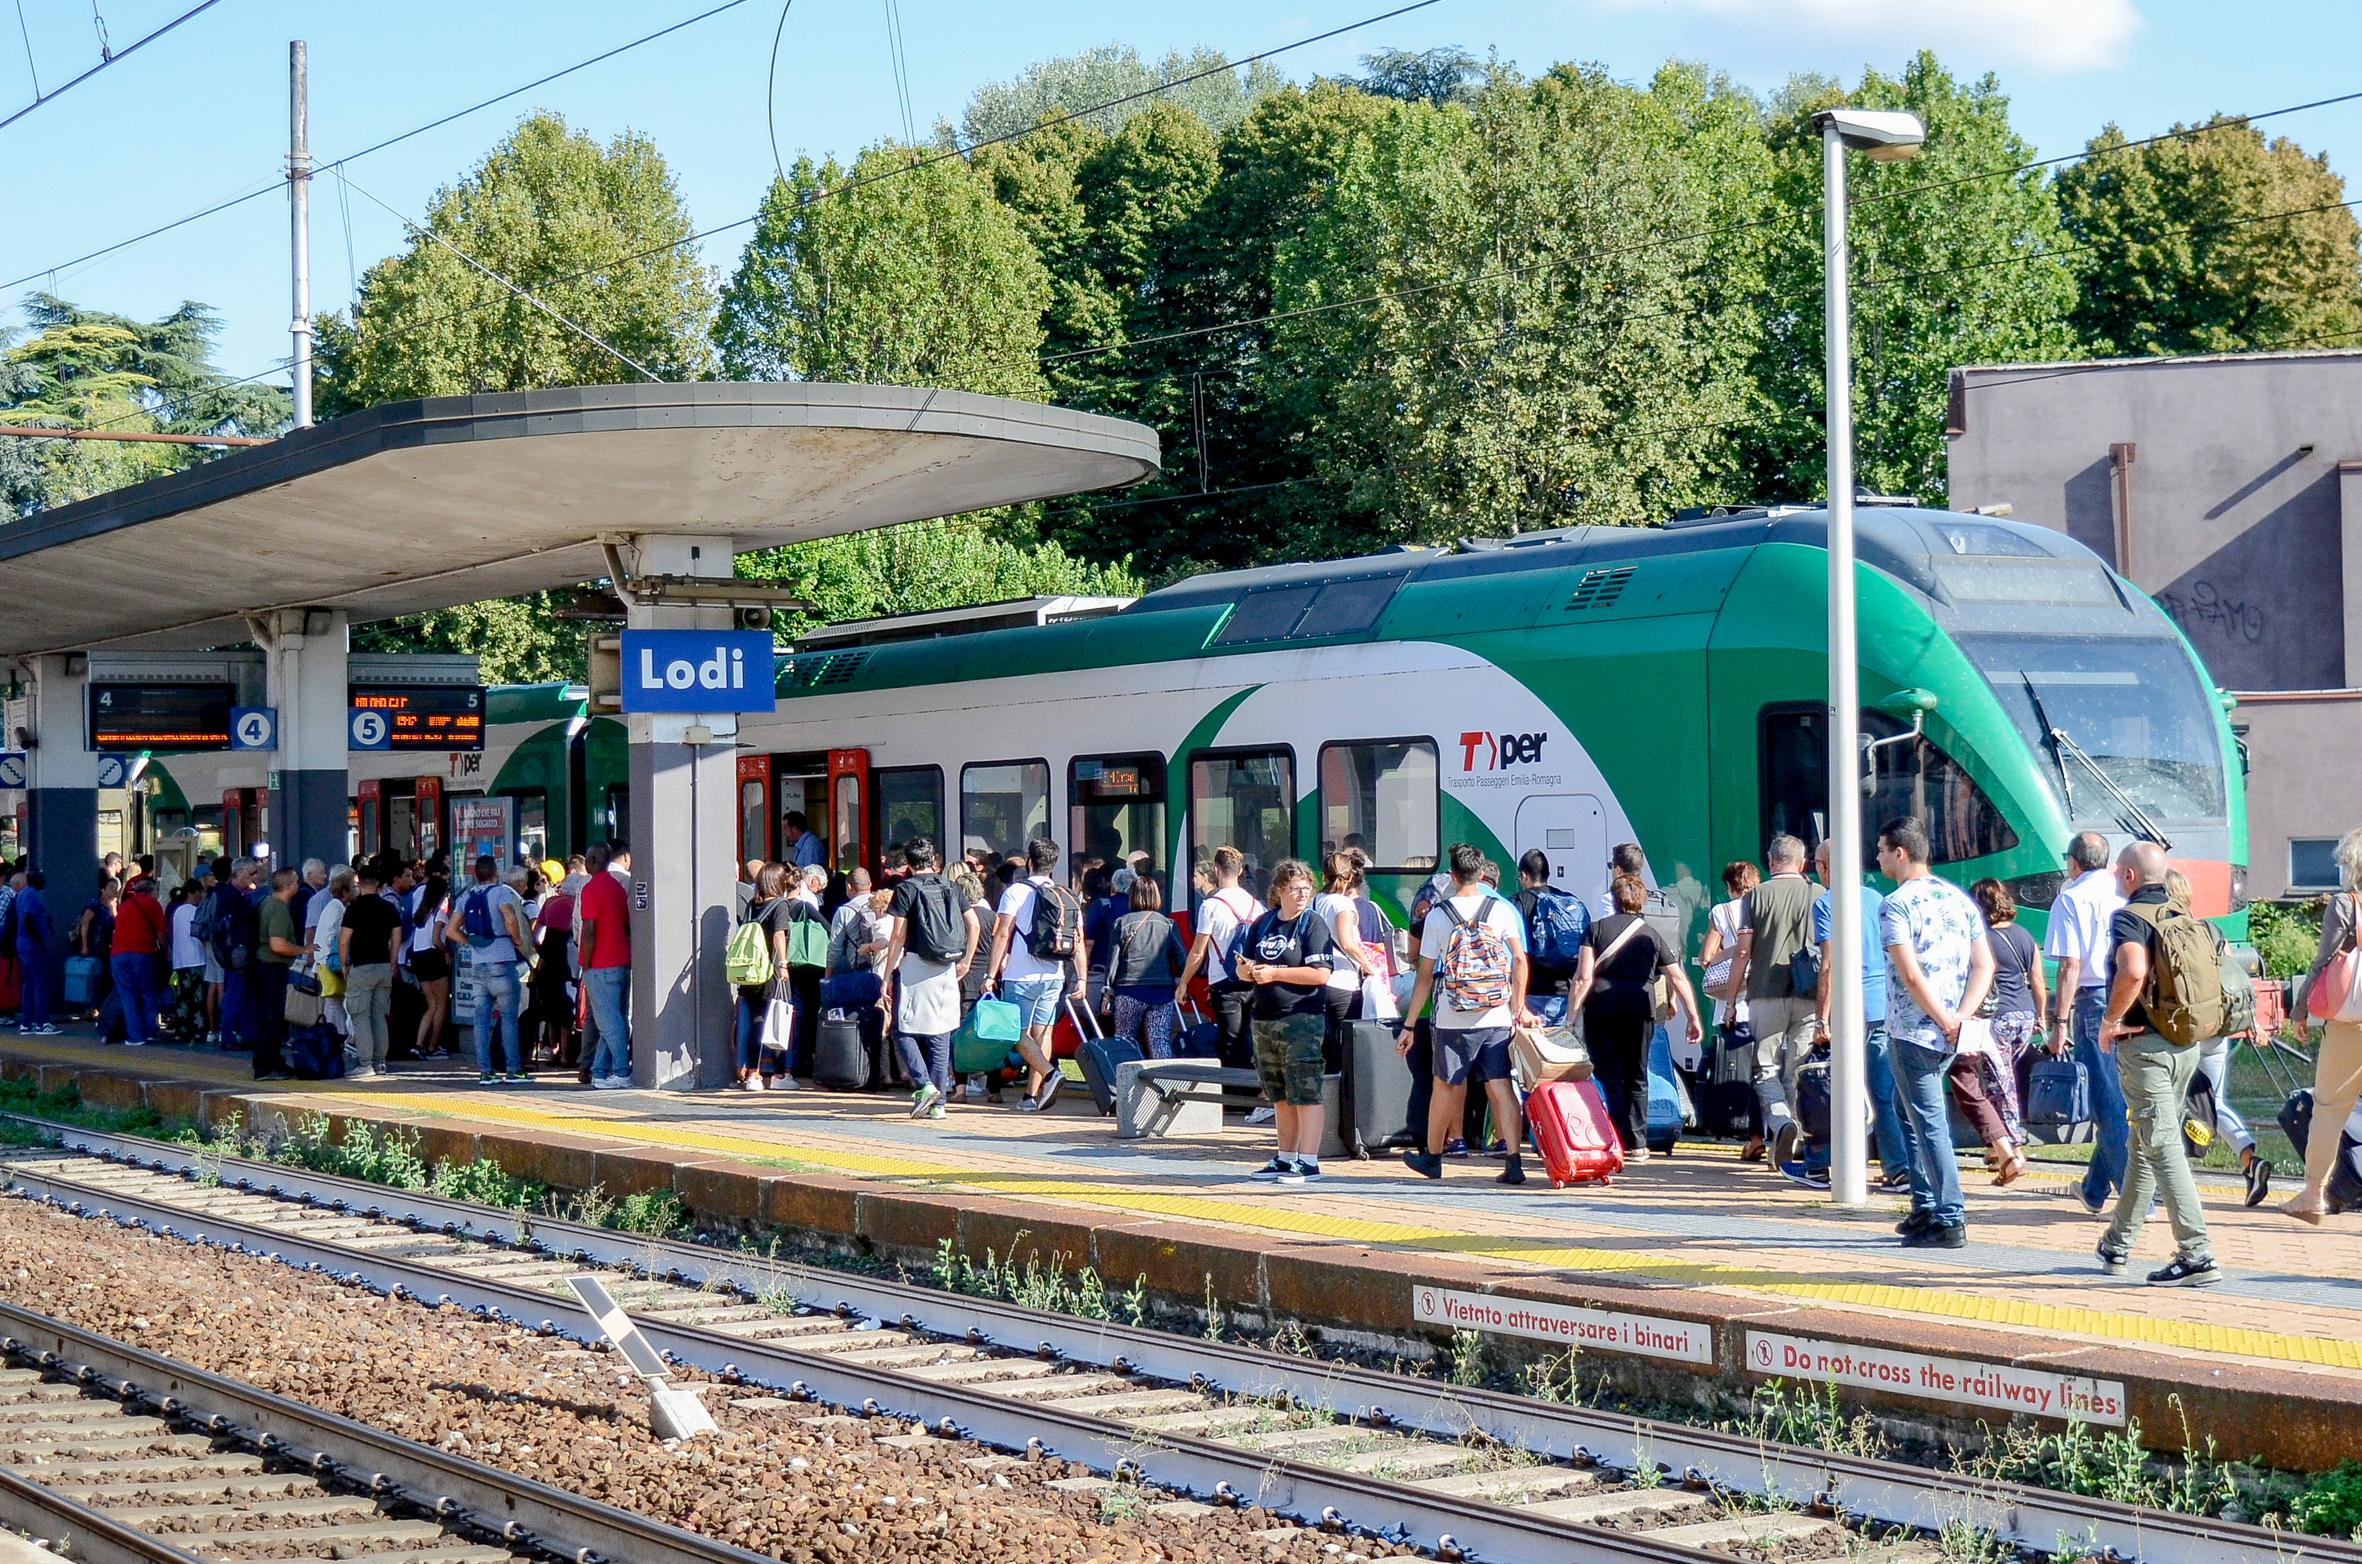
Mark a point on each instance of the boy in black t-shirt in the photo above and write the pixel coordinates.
(1286, 954)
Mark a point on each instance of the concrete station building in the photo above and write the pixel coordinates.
(2229, 488)
(248, 572)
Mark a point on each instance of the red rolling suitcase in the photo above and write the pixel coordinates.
(1576, 1137)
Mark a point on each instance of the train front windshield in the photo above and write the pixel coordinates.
(2133, 704)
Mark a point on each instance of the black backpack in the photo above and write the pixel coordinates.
(1057, 930)
(936, 930)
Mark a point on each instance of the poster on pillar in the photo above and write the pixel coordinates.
(698, 671)
(482, 826)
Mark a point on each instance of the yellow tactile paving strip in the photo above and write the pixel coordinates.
(615, 1121)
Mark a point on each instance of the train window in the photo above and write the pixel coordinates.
(2134, 704)
(1244, 798)
(1116, 807)
(1004, 805)
(1379, 796)
(909, 803)
(1918, 780)
(1267, 614)
(533, 824)
(754, 809)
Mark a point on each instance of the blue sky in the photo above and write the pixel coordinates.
(200, 114)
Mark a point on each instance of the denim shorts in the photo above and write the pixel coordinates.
(1471, 1055)
(1036, 998)
(1288, 1060)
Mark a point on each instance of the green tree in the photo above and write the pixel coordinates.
(912, 275)
(84, 368)
(1076, 83)
(1236, 434)
(2211, 240)
(1969, 272)
(927, 565)
(1443, 75)
(599, 235)
(1495, 329)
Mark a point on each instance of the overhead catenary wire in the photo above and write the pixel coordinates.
(278, 183)
(106, 58)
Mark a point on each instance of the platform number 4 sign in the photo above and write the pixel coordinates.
(254, 727)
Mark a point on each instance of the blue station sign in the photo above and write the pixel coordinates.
(698, 671)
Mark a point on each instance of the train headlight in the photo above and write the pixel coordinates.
(2037, 890)
(2238, 887)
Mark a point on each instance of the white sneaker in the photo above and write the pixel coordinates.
(1263, 1115)
(784, 1082)
(611, 1083)
(752, 1083)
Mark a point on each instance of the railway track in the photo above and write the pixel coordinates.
(114, 1455)
(1459, 1472)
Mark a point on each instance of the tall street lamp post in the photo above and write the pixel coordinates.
(1880, 135)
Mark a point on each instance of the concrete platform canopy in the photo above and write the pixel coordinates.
(422, 505)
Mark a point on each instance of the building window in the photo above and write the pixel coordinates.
(1116, 807)
(1380, 797)
(909, 804)
(1244, 798)
(2312, 863)
(533, 825)
(1004, 805)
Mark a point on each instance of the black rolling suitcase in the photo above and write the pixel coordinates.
(1377, 1092)
(1726, 1084)
(840, 1052)
(2345, 1175)
(1098, 1054)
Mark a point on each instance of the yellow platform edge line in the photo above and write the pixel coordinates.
(2010, 1312)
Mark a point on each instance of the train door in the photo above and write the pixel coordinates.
(799, 794)
(245, 819)
(754, 808)
(848, 809)
(1570, 829)
(369, 817)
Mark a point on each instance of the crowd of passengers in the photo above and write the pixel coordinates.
(895, 969)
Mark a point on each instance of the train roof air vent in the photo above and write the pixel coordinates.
(1599, 588)
(830, 668)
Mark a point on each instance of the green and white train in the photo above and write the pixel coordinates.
(1564, 691)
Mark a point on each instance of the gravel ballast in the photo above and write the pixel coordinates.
(779, 1479)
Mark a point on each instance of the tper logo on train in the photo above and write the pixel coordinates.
(1501, 750)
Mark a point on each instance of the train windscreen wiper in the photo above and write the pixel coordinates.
(2051, 733)
(2133, 812)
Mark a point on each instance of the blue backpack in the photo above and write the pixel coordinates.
(475, 917)
(1559, 925)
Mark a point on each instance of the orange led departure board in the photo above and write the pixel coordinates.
(420, 716)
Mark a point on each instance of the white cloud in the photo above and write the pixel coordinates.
(2049, 35)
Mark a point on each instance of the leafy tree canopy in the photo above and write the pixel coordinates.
(928, 565)
(890, 272)
(1442, 75)
(1074, 83)
(84, 368)
(2211, 240)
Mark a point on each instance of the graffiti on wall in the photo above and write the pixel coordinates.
(2206, 606)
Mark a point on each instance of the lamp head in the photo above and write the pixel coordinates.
(1881, 135)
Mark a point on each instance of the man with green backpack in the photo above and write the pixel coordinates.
(2165, 999)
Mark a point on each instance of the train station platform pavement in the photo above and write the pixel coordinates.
(1691, 1278)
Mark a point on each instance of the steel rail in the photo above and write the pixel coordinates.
(512, 1510)
(1887, 1492)
(76, 1530)
(1450, 1526)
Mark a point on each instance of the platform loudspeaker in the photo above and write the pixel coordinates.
(751, 616)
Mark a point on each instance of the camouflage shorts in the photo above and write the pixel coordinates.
(1288, 1058)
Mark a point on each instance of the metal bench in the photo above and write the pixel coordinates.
(1156, 1098)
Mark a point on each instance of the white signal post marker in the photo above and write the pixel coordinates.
(673, 1413)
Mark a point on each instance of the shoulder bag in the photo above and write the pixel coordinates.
(2335, 994)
